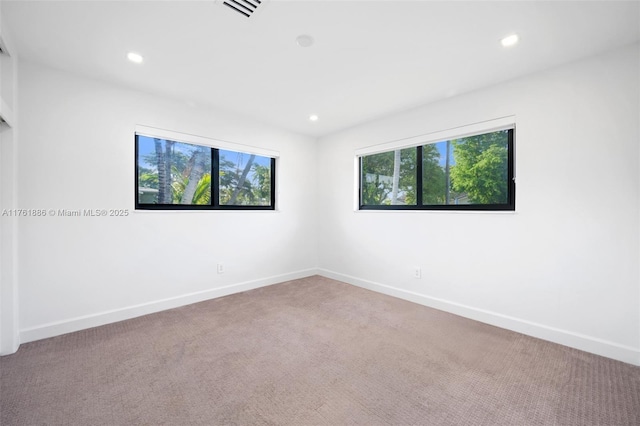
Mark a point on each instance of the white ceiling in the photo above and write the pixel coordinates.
(370, 58)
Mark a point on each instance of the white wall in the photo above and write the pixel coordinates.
(9, 339)
(77, 152)
(564, 266)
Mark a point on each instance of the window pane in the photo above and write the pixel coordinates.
(389, 178)
(172, 172)
(471, 170)
(245, 179)
(434, 173)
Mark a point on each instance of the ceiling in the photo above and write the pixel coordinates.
(369, 59)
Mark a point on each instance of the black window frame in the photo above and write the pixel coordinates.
(215, 184)
(510, 205)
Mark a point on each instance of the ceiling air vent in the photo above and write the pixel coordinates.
(246, 7)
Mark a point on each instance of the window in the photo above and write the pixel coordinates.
(172, 175)
(470, 173)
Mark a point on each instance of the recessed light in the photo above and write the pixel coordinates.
(510, 40)
(136, 58)
(313, 117)
(304, 40)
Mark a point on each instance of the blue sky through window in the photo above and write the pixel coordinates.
(442, 149)
(146, 147)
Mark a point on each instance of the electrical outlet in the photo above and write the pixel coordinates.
(220, 268)
(417, 272)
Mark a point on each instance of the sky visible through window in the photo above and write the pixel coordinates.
(146, 147)
(442, 149)
(240, 159)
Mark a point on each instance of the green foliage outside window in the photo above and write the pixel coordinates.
(481, 169)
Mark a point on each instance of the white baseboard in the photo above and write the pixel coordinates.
(564, 337)
(108, 317)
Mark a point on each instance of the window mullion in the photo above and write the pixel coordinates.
(215, 178)
(419, 176)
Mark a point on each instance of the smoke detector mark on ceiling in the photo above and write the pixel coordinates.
(245, 7)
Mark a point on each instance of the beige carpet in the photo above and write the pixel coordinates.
(311, 352)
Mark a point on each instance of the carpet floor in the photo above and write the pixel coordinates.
(312, 351)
